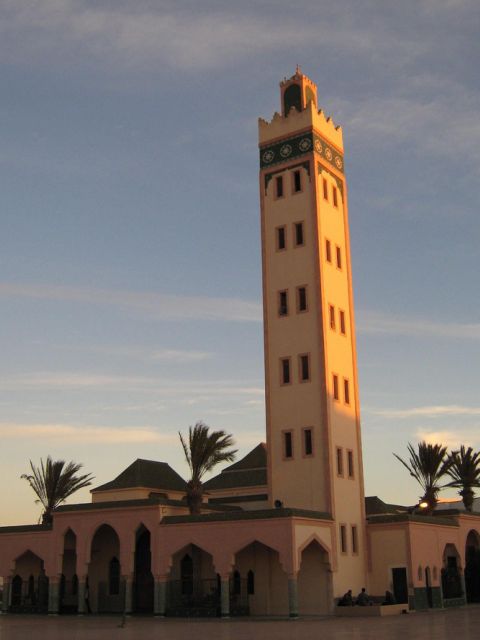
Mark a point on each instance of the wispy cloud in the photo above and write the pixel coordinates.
(451, 438)
(372, 322)
(174, 356)
(435, 411)
(155, 305)
(84, 434)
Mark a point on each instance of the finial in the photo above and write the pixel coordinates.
(298, 71)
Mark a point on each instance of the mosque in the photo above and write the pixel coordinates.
(287, 529)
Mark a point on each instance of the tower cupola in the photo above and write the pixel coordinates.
(297, 92)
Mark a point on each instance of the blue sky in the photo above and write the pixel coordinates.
(130, 276)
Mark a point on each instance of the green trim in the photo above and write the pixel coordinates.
(261, 514)
(259, 497)
(420, 598)
(454, 602)
(26, 528)
(146, 502)
(293, 147)
(409, 517)
(437, 598)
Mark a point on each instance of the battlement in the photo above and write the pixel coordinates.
(281, 126)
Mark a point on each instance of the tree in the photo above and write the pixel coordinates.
(465, 473)
(427, 465)
(54, 482)
(203, 451)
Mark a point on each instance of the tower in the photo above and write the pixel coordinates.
(312, 405)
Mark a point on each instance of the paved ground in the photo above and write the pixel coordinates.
(453, 624)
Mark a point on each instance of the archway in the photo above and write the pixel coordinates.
(143, 580)
(263, 582)
(30, 585)
(428, 587)
(314, 588)
(472, 566)
(69, 581)
(106, 590)
(193, 588)
(451, 578)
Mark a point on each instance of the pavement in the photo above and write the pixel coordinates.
(460, 624)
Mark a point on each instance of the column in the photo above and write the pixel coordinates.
(81, 608)
(53, 595)
(293, 596)
(6, 594)
(160, 596)
(128, 608)
(464, 586)
(225, 596)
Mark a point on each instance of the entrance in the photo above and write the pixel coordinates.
(400, 584)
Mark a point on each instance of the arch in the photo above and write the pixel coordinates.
(31, 593)
(314, 579)
(312, 538)
(292, 97)
(193, 585)
(68, 595)
(451, 573)
(104, 574)
(428, 587)
(17, 588)
(143, 582)
(251, 583)
(472, 566)
(266, 542)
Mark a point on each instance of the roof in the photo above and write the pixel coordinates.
(261, 514)
(146, 473)
(250, 471)
(374, 507)
(153, 500)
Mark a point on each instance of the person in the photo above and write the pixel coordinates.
(346, 600)
(362, 599)
(389, 598)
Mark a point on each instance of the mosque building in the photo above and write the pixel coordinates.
(287, 529)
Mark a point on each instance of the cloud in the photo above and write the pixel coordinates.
(84, 434)
(157, 306)
(451, 439)
(435, 411)
(174, 356)
(377, 323)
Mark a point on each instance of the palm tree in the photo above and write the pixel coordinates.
(427, 466)
(465, 473)
(54, 482)
(203, 451)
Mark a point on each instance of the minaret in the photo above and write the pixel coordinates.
(313, 415)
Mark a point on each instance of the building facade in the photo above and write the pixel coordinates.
(287, 529)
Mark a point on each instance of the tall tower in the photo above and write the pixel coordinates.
(313, 417)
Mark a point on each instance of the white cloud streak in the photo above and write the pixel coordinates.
(434, 411)
(376, 323)
(157, 306)
(451, 438)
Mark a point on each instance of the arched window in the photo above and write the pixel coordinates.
(420, 573)
(114, 577)
(292, 98)
(31, 589)
(75, 585)
(237, 583)
(186, 575)
(250, 583)
(16, 591)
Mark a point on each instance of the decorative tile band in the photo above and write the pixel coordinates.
(292, 148)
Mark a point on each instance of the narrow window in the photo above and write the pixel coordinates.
(299, 240)
(283, 303)
(339, 461)
(335, 198)
(328, 251)
(281, 238)
(339, 258)
(342, 322)
(250, 583)
(335, 387)
(301, 299)
(114, 577)
(279, 186)
(285, 366)
(354, 539)
(331, 315)
(325, 189)
(297, 181)
(346, 391)
(343, 538)
(186, 575)
(287, 444)
(237, 583)
(307, 442)
(350, 464)
(304, 368)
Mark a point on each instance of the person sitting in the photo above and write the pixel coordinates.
(362, 599)
(389, 598)
(346, 600)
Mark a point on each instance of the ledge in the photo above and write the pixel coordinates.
(261, 514)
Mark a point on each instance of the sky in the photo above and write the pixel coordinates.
(130, 269)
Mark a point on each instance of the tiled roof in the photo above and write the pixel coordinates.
(146, 473)
(261, 514)
(374, 506)
(250, 471)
